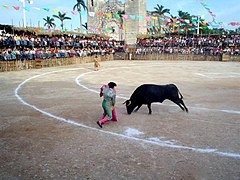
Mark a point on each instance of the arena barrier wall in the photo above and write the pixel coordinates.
(176, 57)
(17, 65)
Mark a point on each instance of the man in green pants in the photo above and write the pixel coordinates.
(108, 103)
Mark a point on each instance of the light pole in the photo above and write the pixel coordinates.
(24, 11)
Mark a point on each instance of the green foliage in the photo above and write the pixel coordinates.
(61, 17)
(49, 22)
(78, 6)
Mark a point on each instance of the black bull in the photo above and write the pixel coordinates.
(150, 93)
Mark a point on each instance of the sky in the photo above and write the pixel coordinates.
(225, 11)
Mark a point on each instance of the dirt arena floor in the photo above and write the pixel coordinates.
(48, 123)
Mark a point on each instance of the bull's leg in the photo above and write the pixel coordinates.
(149, 108)
(138, 108)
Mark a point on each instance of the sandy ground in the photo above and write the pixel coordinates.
(49, 131)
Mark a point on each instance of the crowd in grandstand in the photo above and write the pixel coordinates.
(29, 47)
(20, 46)
(211, 45)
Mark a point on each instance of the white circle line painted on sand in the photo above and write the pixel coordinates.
(219, 75)
(147, 141)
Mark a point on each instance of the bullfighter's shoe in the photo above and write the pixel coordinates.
(99, 124)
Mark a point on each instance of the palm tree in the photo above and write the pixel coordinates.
(85, 26)
(184, 15)
(78, 6)
(49, 22)
(61, 17)
(160, 11)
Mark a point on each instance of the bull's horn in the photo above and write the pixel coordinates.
(125, 102)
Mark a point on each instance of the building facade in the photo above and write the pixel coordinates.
(116, 19)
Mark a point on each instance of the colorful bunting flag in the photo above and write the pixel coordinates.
(36, 8)
(55, 10)
(167, 20)
(92, 14)
(5, 6)
(46, 9)
(30, 2)
(132, 16)
(124, 16)
(117, 16)
(108, 14)
(27, 8)
(154, 17)
(148, 18)
(100, 14)
(74, 12)
(140, 17)
(16, 7)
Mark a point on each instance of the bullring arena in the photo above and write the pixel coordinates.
(49, 130)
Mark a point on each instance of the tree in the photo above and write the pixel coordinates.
(80, 4)
(85, 26)
(61, 17)
(184, 15)
(49, 22)
(160, 11)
